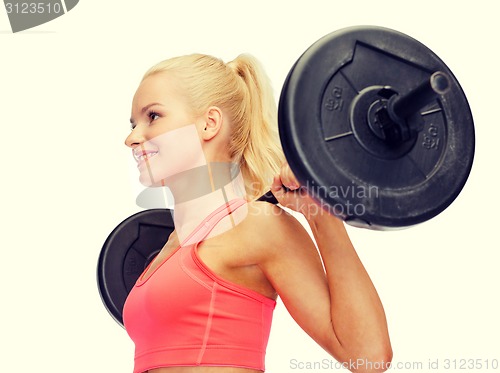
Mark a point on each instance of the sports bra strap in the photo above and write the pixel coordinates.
(206, 226)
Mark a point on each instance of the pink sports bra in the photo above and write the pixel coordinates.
(183, 314)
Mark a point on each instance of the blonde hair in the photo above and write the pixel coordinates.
(243, 91)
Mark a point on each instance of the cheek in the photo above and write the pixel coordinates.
(178, 150)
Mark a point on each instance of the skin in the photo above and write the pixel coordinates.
(342, 311)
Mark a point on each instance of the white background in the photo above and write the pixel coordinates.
(65, 94)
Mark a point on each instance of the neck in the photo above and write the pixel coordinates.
(200, 191)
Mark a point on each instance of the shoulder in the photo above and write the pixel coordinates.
(269, 229)
(269, 218)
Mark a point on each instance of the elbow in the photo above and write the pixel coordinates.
(375, 360)
(381, 362)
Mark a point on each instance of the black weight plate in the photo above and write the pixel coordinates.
(328, 144)
(127, 251)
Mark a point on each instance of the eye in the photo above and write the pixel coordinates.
(153, 115)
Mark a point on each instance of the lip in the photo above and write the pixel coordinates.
(142, 156)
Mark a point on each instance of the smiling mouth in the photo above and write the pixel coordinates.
(144, 156)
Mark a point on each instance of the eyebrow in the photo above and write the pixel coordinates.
(143, 110)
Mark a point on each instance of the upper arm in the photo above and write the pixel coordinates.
(293, 266)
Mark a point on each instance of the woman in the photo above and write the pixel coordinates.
(205, 302)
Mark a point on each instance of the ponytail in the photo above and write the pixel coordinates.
(255, 141)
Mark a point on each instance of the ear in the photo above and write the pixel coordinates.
(213, 119)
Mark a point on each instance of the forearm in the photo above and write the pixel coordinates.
(357, 315)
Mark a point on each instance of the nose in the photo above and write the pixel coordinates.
(135, 138)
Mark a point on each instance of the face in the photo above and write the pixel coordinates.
(164, 138)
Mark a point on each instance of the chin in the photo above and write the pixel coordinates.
(151, 174)
(149, 179)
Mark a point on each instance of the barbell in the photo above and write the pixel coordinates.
(373, 124)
